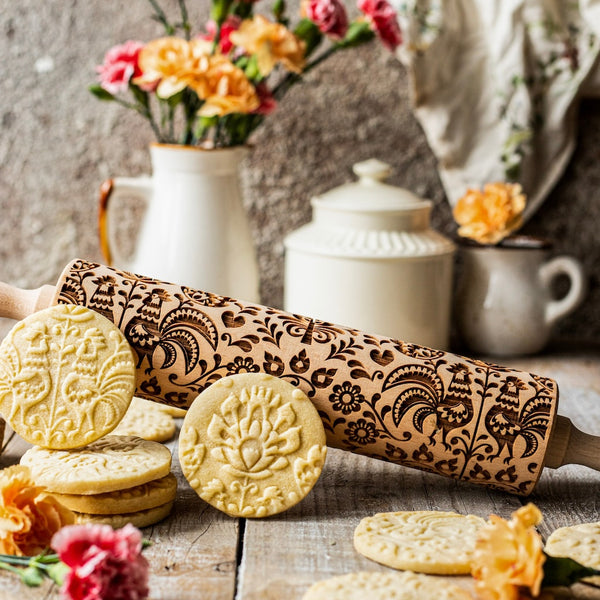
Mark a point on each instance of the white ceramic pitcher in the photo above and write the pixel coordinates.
(504, 302)
(195, 231)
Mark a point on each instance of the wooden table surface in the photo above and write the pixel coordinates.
(200, 553)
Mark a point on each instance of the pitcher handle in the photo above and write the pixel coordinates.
(564, 265)
(112, 188)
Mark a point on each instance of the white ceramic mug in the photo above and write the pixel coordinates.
(504, 304)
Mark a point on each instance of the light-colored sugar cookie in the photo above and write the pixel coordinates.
(252, 445)
(67, 376)
(376, 585)
(424, 541)
(579, 542)
(174, 411)
(111, 463)
(147, 420)
(142, 518)
(141, 497)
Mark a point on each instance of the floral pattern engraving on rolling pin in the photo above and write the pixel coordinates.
(378, 396)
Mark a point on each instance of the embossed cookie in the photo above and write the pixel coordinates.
(146, 420)
(375, 585)
(141, 497)
(142, 518)
(435, 542)
(67, 376)
(111, 463)
(174, 411)
(252, 445)
(579, 542)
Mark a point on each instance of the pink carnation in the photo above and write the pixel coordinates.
(383, 21)
(329, 16)
(105, 563)
(119, 66)
(232, 23)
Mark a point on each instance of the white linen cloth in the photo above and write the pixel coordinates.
(495, 85)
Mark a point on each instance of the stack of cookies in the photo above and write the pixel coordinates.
(115, 480)
(67, 378)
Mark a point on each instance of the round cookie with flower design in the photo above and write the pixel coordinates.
(425, 541)
(252, 445)
(134, 499)
(140, 518)
(147, 420)
(67, 377)
(376, 585)
(578, 542)
(112, 463)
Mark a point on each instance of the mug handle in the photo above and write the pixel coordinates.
(112, 188)
(564, 265)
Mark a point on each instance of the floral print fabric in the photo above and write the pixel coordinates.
(495, 84)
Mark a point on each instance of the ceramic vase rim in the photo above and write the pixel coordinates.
(517, 243)
(185, 147)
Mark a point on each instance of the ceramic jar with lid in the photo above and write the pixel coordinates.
(370, 260)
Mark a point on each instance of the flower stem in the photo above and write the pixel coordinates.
(8, 567)
(162, 17)
(185, 23)
(145, 111)
(291, 78)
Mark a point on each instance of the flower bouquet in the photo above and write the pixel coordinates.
(213, 88)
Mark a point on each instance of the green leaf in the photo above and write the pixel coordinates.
(100, 92)
(307, 31)
(562, 571)
(243, 9)
(204, 124)
(175, 99)
(32, 576)
(140, 95)
(251, 69)
(359, 32)
(220, 10)
(279, 10)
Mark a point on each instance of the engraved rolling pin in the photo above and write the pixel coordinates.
(377, 396)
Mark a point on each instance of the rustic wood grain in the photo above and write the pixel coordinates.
(194, 551)
(203, 554)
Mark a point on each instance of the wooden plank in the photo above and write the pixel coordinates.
(194, 551)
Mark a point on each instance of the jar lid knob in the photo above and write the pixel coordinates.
(372, 171)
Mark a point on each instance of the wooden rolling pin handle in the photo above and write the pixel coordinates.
(568, 445)
(16, 303)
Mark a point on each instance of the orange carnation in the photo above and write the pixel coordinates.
(489, 216)
(29, 517)
(226, 89)
(509, 556)
(271, 43)
(172, 63)
(176, 64)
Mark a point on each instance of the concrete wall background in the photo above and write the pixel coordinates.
(58, 143)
